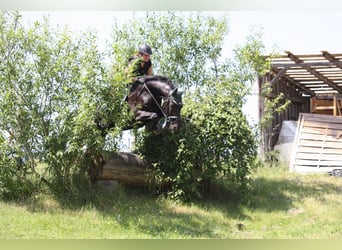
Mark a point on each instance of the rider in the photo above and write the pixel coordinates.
(140, 65)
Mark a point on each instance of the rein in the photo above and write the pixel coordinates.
(160, 108)
(154, 99)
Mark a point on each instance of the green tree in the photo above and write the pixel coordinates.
(216, 141)
(185, 45)
(51, 86)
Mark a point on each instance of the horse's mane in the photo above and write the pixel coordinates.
(159, 78)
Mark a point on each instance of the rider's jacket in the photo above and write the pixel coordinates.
(137, 67)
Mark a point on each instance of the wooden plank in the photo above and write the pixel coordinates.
(323, 118)
(334, 75)
(291, 65)
(315, 169)
(297, 71)
(308, 149)
(316, 145)
(323, 124)
(297, 137)
(325, 92)
(319, 137)
(323, 107)
(318, 163)
(330, 132)
(321, 156)
(329, 69)
(320, 144)
(304, 78)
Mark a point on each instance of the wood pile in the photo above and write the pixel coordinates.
(318, 143)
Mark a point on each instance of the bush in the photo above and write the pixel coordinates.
(16, 181)
(51, 86)
(214, 143)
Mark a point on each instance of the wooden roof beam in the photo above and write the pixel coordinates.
(328, 56)
(314, 72)
(279, 75)
(331, 58)
(307, 64)
(298, 85)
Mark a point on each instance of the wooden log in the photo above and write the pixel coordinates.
(126, 168)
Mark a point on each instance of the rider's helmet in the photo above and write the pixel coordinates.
(145, 49)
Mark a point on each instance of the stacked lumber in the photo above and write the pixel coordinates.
(318, 143)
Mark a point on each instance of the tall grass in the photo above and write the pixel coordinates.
(280, 205)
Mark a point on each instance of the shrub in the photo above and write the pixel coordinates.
(215, 142)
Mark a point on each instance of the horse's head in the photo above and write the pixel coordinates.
(172, 105)
(156, 103)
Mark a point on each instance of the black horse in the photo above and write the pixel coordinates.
(155, 103)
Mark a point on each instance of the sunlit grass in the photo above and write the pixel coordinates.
(280, 205)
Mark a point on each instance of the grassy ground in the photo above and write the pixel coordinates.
(281, 205)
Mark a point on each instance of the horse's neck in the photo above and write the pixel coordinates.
(161, 87)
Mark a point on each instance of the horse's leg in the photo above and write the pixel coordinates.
(141, 115)
(149, 119)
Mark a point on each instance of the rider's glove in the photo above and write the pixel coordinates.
(141, 80)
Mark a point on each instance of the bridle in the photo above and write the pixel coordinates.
(169, 98)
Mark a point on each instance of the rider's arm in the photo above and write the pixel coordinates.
(133, 69)
(150, 71)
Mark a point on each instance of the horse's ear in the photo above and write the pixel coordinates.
(178, 92)
(175, 90)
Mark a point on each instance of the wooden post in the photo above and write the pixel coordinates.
(312, 104)
(335, 105)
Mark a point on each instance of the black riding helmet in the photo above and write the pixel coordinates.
(145, 49)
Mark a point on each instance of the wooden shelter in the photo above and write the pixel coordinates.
(313, 84)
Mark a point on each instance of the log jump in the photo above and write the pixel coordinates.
(127, 168)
